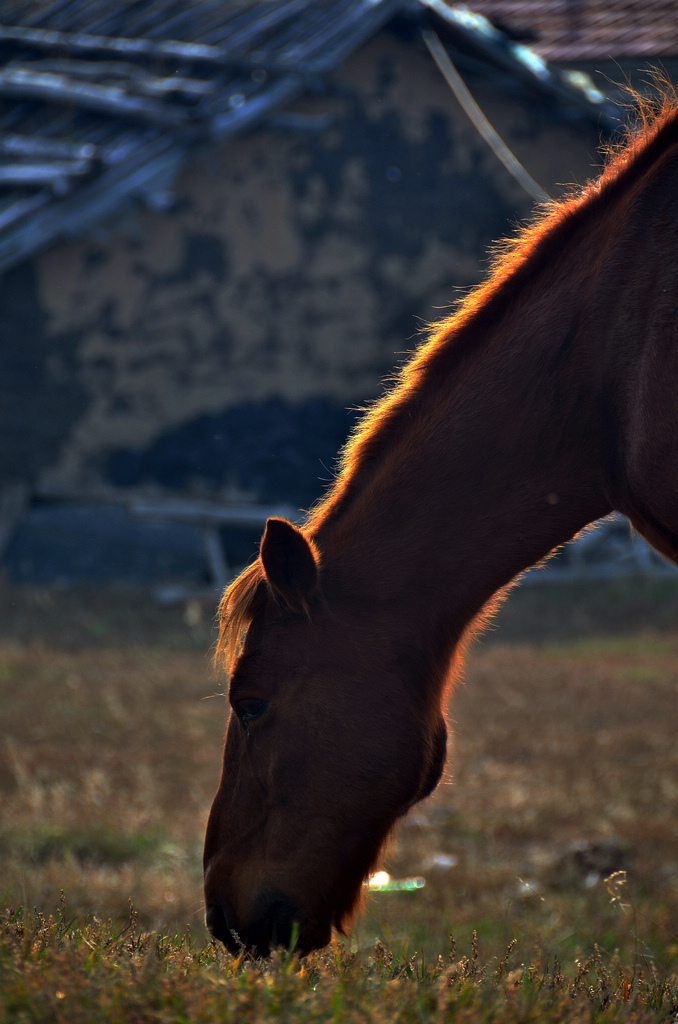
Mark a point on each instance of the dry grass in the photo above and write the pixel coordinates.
(564, 769)
(55, 971)
(108, 761)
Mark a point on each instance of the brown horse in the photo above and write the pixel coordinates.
(544, 402)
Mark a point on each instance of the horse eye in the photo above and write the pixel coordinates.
(249, 709)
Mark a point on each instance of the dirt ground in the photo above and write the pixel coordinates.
(563, 771)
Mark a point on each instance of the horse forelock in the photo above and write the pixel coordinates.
(237, 608)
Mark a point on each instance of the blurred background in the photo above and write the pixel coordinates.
(223, 224)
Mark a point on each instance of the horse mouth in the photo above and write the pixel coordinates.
(220, 928)
(276, 924)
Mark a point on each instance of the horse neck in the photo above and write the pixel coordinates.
(504, 447)
(486, 482)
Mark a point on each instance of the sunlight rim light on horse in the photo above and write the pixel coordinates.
(545, 402)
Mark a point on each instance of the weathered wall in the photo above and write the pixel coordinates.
(291, 274)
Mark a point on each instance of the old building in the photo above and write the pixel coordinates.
(222, 225)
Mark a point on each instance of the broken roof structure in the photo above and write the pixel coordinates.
(576, 30)
(101, 103)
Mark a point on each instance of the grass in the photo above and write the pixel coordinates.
(554, 835)
(53, 969)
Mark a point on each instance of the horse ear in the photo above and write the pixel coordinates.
(290, 563)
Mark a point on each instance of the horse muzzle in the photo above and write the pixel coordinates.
(220, 927)
(276, 923)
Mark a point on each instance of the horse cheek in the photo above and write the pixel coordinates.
(435, 762)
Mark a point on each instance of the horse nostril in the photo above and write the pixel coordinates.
(219, 926)
(273, 925)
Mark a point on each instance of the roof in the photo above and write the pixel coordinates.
(101, 101)
(577, 30)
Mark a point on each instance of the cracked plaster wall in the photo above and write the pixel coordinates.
(293, 265)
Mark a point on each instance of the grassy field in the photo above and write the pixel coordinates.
(549, 853)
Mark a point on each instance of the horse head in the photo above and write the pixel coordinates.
(329, 741)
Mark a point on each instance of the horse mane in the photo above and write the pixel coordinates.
(513, 262)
